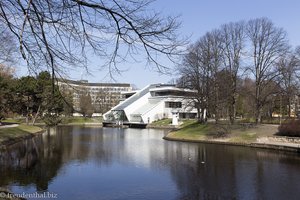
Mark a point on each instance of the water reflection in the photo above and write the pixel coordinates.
(222, 172)
(137, 164)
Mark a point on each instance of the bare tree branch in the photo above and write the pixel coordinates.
(56, 35)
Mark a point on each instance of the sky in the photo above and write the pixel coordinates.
(198, 17)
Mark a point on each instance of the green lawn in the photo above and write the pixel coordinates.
(12, 120)
(191, 130)
(162, 122)
(65, 120)
(81, 120)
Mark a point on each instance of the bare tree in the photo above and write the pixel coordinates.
(268, 43)
(194, 75)
(233, 36)
(289, 67)
(199, 71)
(246, 98)
(212, 57)
(58, 34)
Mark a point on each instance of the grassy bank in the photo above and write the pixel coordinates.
(238, 133)
(81, 120)
(163, 122)
(14, 134)
(191, 130)
(65, 120)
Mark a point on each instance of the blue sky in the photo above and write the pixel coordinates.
(198, 17)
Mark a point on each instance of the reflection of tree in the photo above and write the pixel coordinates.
(229, 172)
(38, 160)
(31, 162)
(201, 173)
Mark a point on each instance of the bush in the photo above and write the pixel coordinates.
(291, 128)
(51, 119)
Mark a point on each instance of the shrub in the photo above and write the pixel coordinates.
(51, 119)
(291, 128)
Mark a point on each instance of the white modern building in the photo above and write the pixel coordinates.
(154, 102)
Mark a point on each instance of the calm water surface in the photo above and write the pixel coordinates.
(110, 163)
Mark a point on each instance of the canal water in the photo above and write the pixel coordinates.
(127, 164)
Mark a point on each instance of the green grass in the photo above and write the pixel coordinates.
(162, 122)
(273, 120)
(247, 120)
(65, 120)
(81, 120)
(15, 132)
(29, 129)
(191, 129)
(187, 123)
(12, 120)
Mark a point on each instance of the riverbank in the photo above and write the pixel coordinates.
(261, 136)
(13, 133)
(66, 121)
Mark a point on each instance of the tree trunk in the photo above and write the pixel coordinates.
(232, 110)
(289, 107)
(37, 113)
(217, 112)
(257, 104)
(27, 111)
(199, 115)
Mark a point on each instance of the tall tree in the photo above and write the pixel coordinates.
(50, 104)
(199, 71)
(233, 36)
(214, 52)
(26, 103)
(289, 67)
(194, 75)
(268, 43)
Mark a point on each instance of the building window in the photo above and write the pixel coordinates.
(170, 104)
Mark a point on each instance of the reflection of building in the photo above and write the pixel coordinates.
(154, 102)
(104, 96)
